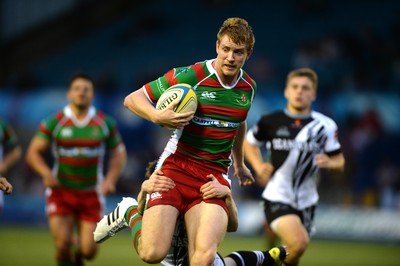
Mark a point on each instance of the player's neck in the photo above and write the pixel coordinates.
(298, 111)
(79, 112)
(224, 79)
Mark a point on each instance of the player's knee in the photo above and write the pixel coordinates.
(151, 255)
(302, 245)
(297, 248)
(63, 246)
(203, 258)
(89, 252)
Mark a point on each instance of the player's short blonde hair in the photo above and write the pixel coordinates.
(239, 31)
(304, 72)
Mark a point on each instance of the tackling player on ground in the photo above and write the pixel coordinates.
(178, 253)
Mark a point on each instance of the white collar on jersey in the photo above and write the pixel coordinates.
(213, 71)
(291, 115)
(68, 113)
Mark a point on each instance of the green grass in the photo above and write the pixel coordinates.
(30, 247)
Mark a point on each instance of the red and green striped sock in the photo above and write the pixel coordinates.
(134, 220)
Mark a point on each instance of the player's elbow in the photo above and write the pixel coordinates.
(29, 157)
(128, 101)
(17, 152)
(134, 100)
(232, 226)
(233, 221)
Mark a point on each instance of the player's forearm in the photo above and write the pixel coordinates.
(337, 163)
(253, 155)
(10, 159)
(141, 201)
(137, 103)
(238, 149)
(233, 218)
(38, 164)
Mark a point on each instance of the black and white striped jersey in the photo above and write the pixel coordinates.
(292, 142)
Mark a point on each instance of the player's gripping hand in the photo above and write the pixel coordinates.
(169, 119)
(214, 189)
(51, 181)
(244, 175)
(5, 186)
(322, 160)
(108, 187)
(157, 182)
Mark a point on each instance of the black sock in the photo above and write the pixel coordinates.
(268, 260)
(252, 258)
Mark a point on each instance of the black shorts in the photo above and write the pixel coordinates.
(274, 210)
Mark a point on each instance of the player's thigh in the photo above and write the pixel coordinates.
(62, 228)
(290, 229)
(87, 244)
(158, 225)
(206, 226)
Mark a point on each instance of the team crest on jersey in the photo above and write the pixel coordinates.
(283, 132)
(297, 123)
(95, 131)
(66, 132)
(242, 100)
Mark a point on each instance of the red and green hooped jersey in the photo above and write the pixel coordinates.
(79, 147)
(8, 138)
(210, 135)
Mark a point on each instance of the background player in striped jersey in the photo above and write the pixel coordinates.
(10, 150)
(80, 135)
(199, 146)
(300, 142)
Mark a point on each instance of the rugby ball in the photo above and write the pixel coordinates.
(181, 92)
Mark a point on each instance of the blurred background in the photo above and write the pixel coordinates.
(353, 45)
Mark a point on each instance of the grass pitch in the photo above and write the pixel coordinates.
(31, 246)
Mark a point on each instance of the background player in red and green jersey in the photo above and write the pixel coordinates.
(202, 144)
(10, 150)
(79, 135)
